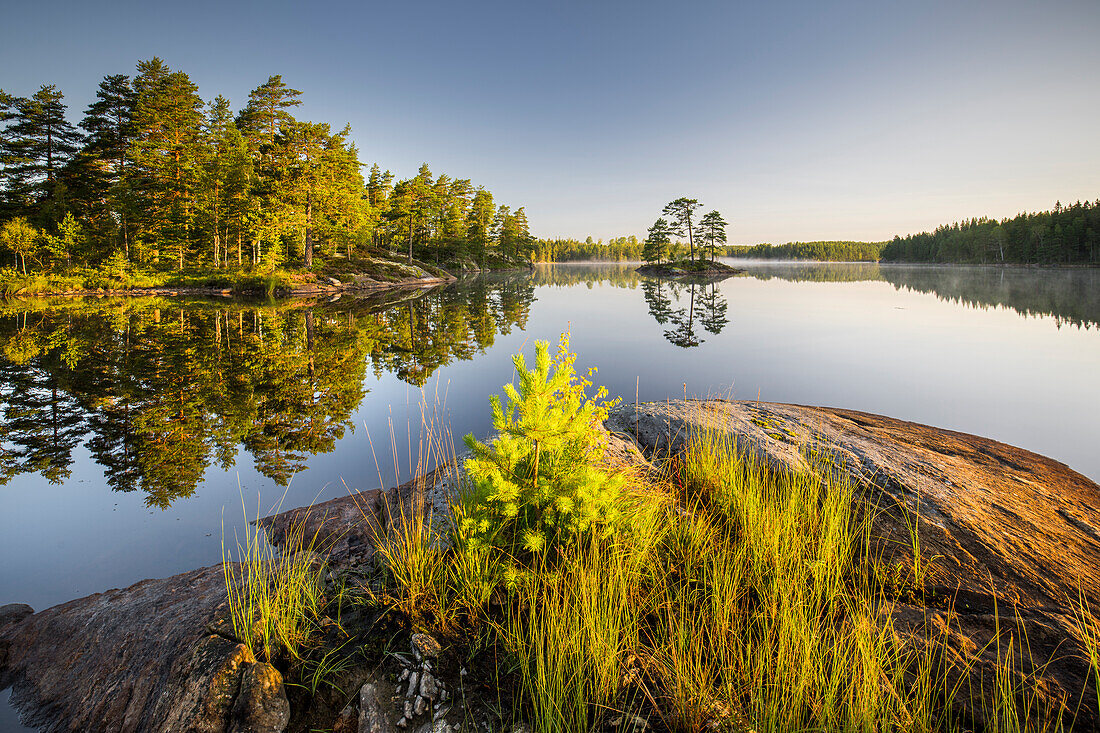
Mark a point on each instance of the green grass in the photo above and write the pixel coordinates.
(276, 599)
(736, 596)
(795, 644)
(730, 596)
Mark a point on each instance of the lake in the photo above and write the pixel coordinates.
(135, 432)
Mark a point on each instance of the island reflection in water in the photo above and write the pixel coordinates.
(686, 307)
(158, 390)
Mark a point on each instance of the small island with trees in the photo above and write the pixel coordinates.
(710, 233)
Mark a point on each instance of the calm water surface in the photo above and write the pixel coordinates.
(132, 431)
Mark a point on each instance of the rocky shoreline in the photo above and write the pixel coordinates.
(1013, 540)
(325, 286)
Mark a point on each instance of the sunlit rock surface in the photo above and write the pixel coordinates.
(1012, 537)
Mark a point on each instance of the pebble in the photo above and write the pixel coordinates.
(428, 686)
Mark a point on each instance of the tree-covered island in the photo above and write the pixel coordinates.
(660, 254)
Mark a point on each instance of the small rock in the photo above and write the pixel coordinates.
(408, 710)
(425, 647)
(438, 726)
(13, 613)
(404, 675)
(521, 727)
(413, 684)
(403, 723)
(429, 688)
(261, 705)
(372, 715)
(420, 706)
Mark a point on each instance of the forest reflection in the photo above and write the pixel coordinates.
(157, 390)
(1071, 296)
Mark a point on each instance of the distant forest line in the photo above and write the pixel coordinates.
(154, 178)
(1065, 235)
(621, 249)
(819, 251)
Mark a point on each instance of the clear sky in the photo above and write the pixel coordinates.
(798, 120)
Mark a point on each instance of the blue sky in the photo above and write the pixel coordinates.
(798, 120)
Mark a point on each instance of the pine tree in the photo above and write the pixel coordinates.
(41, 141)
(460, 195)
(346, 210)
(95, 175)
(681, 210)
(10, 201)
(224, 182)
(656, 244)
(712, 230)
(378, 192)
(266, 114)
(536, 486)
(479, 221)
(305, 145)
(261, 121)
(420, 193)
(502, 228)
(521, 232)
(165, 161)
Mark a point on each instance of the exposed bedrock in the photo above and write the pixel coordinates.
(1012, 537)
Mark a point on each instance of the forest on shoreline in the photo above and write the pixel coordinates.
(1065, 235)
(154, 186)
(155, 179)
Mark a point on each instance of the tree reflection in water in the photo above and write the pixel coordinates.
(705, 306)
(158, 389)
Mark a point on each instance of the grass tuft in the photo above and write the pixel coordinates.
(275, 598)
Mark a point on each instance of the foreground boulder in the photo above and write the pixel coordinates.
(1012, 538)
(160, 655)
(139, 659)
